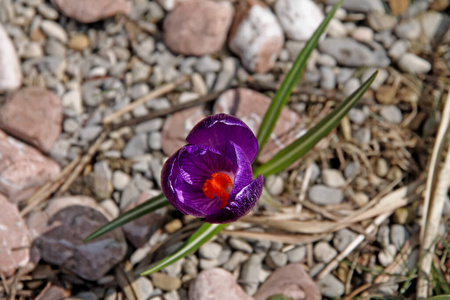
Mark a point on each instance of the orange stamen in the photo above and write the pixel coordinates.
(220, 185)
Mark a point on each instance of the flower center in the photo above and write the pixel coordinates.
(219, 185)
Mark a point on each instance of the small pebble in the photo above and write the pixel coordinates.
(120, 180)
(387, 255)
(276, 259)
(173, 226)
(238, 244)
(297, 254)
(331, 287)
(210, 250)
(323, 195)
(333, 178)
(323, 252)
(398, 235)
(343, 238)
(411, 63)
(392, 114)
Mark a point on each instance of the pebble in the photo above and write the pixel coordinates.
(357, 116)
(250, 273)
(78, 42)
(136, 146)
(386, 94)
(408, 30)
(398, 49)
(363, 135)
(207, 64)
(383, 74)
(333, 178)
(235, 260)
(382, 167)
(343, 238)
(87, 11)
(10, 69)
(328, 78)
(383, 235)
(351, 86)
(379, 21)
(240, 245)
(336, 29)
(276, 259)
(72, 101)
(398, 235)
(258, 37)
(54, 30)
(275, 185)
(90, 133)
(391, 113)
(331, 287)
(206, 264)
(323, 195)
(323, 252)
(412, 63)
(210, 250)
(362, 34)
(361, 199)
(326, 60)
(299, 19)
(297, 254)
(165, 282)
(120, 180)
(387, 255)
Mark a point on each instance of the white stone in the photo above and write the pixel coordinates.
(54, 30)
(363, 34)
(336, 29)
(412, 63)
(258, 39)
(10, 70)
(120, 180)
(299, 18)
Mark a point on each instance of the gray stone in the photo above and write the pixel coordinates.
(275, 185)
(227, 74)
(350, 53)
(130, 193)
(235, 260)
(210, 250)
(297, 254)
(145, 50)
(333, 178)
(70, 125)
(165, 282)
(328, 78)
(55, 48)
(144, 286)
(343, 238)
(136, 146)
(357, 116)
(350, 86)
(331, 287)
(323, 252)
(140, 71)
(224, 256)
(155, 140)
(139, 90)
(206, 264)
(408, 30)
(101, 167)
(398, 235)
(387, 255)
(207, 64)
(398, 49)
(149, 126)
(90, 133)
(326, 60)
(87, 296)
(92, 96)
(363, 135)
(383, 235)
(47, 11)
(120, 180)
(323, 195)
(54, 30)
(412, 63)
(380, 21)
(344, 74)
(351, 169)
(250, 273)
(379, 80)
(391, 113)
(238, 244)
(363, 6)
(276, 259)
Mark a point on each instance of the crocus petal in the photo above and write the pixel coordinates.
(198, 162)
(244, 201)
(217, 130)
(192, 200)
(169, 173)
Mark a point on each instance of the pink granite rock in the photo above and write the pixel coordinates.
(198, 27)
(10, 70)
(139, 231)
(250, 106)
(23, 169)
(292, 281)
(15, 239)
(216, 284)
(59, 231)
(256, 36)
(177, 127)
(33, 114)
(88, 11)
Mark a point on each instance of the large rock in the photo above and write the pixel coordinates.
(350, 53)
(292, 281)
(177, 127)
(299, 18)
(256, 36)
(198, 27)
(59, 231)
(15, 239)
(87, 11)
(23, 169)
(139, 231)
(34, 115)
(250, 106)
(10, 70)
(216, 284)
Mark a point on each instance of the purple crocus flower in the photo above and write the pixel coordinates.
(211, 177)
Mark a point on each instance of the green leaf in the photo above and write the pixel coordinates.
(440, 297)
(298, 148)
(279, 297)
(201, 236)
(282, 95)
(133, 214)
